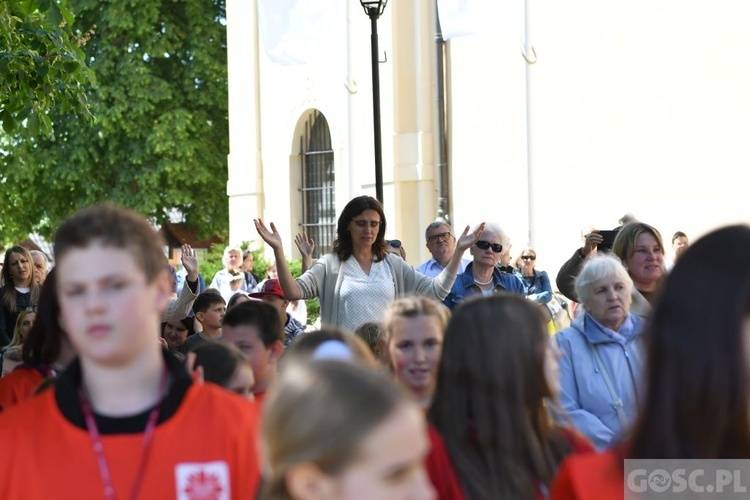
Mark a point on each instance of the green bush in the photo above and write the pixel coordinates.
(210, 263)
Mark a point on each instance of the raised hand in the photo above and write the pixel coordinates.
(467, 239)
(593, 239)
(270, 236)
(190, 262)
(305, 244)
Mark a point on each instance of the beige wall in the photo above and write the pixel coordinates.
(634, 107)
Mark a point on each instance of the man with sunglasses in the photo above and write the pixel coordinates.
(481, 275)
(441, 243)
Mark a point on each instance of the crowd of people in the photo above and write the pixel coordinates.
(449, 380)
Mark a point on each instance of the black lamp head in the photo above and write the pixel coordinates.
(373, 6)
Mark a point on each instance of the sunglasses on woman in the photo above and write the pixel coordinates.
(484, 245)
(528, 257)
(393, 243)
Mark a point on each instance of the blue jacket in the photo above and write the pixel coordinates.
(584, 395)
(465, 287)
(541, 290)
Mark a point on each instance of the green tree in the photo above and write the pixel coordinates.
(160, 138)
(41, 64)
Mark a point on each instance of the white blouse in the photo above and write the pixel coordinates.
(364, 298)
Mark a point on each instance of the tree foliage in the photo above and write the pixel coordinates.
(160, 138)
(42, 65)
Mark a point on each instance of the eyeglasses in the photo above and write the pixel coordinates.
(439, 237)
(393, 243)
(484, 245)
(374, 224)
(528, 257)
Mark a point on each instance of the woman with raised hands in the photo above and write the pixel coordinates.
(359, 279)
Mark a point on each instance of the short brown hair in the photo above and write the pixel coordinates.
(115, 227)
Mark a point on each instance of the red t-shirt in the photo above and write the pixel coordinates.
(440, 468)
(443, 475)
(595, 476)
(18, 386)
(208, 446)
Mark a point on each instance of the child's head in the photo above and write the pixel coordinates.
(113, 284)
(272, 293)
(175, 331)
(271, 272)
(255, 329)
(24, 322)
(322, 344)
(236, 278)
(413, 340)
(209, 308)
(332, 429)
(225, 365)
(371, 333)
(237, 298)
(116, 228)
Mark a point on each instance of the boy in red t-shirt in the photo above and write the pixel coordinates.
(125, 420)
(255, 328)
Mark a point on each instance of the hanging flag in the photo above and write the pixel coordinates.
(296, 31)
(457, 17)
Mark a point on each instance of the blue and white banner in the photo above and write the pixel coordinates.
(457, 17)
(295, 31)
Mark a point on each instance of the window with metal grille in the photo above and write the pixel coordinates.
(318, 187)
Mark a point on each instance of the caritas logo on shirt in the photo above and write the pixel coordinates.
(202, 481)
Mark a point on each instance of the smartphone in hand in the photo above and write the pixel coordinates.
(608, 239)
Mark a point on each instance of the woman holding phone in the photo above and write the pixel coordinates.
(640, 248)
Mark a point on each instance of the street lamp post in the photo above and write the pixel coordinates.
(374, 9)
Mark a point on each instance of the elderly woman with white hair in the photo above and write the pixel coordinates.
(602, 354)
(481, 276)
(223, 278)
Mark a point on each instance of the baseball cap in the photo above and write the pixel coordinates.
(270, 287)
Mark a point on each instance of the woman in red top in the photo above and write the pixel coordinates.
(497, 376)
(698, 362)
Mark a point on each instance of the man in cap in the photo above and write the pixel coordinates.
(271, 292)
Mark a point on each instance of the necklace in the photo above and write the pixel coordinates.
(148, 434)
(482, 283)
